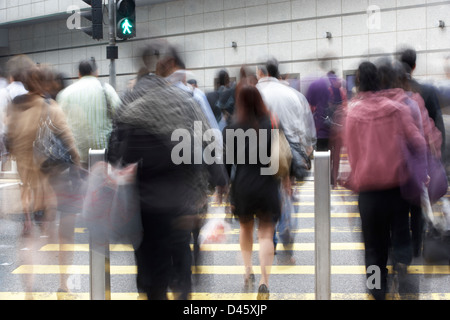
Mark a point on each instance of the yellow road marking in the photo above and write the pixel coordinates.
(217, 270)
(217, 296)
(205, 247)
(303, 203)
(303, 215)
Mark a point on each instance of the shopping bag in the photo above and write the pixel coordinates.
(436, 241)
(214, 231)
(111, 208)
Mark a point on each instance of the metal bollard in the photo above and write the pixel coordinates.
(99, 258)
(322, 225)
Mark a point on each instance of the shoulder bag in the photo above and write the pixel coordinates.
(49, 150)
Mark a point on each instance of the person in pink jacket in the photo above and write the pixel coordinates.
(379, 135)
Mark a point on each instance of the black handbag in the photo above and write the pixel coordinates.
(49, 150)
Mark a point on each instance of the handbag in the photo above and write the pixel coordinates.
(111, 208)
(412, 189)
(280, 150)
(301, 163)
(49, 150)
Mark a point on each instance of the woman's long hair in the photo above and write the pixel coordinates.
(250, 107)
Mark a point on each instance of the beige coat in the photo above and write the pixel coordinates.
(22, 121)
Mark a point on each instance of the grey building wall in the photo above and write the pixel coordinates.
(291, 31)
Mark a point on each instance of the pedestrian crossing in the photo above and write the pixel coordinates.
(219, 275)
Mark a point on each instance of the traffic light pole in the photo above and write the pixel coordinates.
(112, 50)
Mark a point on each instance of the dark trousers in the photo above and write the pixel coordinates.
(385, 225)
(181, 262)
(323, 144)
(153, 257)
(417, 228)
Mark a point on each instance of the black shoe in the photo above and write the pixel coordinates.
(263, 293)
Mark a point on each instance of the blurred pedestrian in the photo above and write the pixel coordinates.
(291, 108)
(252, 194)
(427, 91)
(377, 131)
(338, 108)
(170, 195)
(318, 96)
(222, 99)
(172, 67)
(16, 68)
(246, 77)
(89, 106)
(37, 194)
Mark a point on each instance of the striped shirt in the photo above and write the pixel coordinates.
(85, 106)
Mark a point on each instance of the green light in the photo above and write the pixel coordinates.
(126, 26)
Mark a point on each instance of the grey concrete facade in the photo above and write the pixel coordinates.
(291, 31)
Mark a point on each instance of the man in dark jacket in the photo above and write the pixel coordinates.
(428, 93)
(170, 194)
(430, 97)
(222, 100)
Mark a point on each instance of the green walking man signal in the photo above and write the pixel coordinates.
(126, 27)
(126, 19)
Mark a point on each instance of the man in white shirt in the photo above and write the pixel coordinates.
(89, 106)
(294, 114)
(290, 106)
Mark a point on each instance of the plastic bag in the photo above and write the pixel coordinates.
(214, 231)
(111, 208)
(436, 241)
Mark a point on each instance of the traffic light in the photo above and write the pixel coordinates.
(126, 19)
(96, 17)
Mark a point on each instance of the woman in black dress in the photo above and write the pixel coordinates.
(253, 194)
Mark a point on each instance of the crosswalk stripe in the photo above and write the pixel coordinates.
(303, 203)
(230, 270)
(302, 215)
(205, 247)
(218, 296)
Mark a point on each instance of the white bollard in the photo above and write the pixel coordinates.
(322, 224)
(99, 257)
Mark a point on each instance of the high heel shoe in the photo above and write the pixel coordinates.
(263, 293)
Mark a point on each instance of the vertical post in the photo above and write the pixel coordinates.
(99, 259)
(112, 48)
(322, 208)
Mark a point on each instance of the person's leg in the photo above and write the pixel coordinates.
(66, 237)
(375, 228)
(400, 231)
(181, 259)
(266, 249)
(417, 229)
(153, 257)
(246, 243)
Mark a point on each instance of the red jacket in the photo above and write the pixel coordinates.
(378, 134)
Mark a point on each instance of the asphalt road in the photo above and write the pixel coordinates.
(34, 260)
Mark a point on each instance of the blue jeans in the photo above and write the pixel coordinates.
(285, 224)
